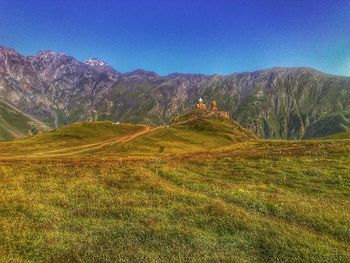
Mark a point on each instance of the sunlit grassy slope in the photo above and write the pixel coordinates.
(14, 123)
(339, 136)
(75, 135)
(197, 131)
(198, 194)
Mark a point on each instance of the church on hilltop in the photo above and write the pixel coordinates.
(201, 106)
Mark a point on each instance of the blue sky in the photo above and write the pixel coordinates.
(188, 36)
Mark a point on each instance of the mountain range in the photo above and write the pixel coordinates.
(52, 89)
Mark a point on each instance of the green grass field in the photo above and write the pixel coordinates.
(201, 190)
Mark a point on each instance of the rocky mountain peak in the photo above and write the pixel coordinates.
(95, 62)
(5, 52)
(101, 66)
(141, 73)
(44, 59)
(48, 53)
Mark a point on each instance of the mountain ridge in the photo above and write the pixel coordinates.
(52, 52)
(278, 103)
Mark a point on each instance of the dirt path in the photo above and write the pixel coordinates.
(92, 146)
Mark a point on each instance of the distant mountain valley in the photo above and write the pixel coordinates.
(51, 90)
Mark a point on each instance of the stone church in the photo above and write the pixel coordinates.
(201, 105)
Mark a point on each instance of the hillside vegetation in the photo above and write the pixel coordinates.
(196, 131)
(193, 132)
(69, 138)
(328, 126)
(203, 189)
(14, 123)
(338, 136)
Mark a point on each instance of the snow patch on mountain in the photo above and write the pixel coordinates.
(95, 62)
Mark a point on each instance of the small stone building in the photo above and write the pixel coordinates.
(213, 106)
(201, 105)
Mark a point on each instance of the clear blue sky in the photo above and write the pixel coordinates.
(189, 36)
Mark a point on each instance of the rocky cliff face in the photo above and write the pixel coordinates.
(277, 103)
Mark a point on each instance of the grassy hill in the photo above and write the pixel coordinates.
(338, 136)
(197, 131)
(69, 138)
(343, 134)
(201, 190)
(14, 123)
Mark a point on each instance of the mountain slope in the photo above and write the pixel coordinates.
(333, 124)
(14, 123)
(275, 103)
(338, 136)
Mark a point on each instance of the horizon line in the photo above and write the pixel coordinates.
(175, 72)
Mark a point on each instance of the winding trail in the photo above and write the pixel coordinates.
(92, 146)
